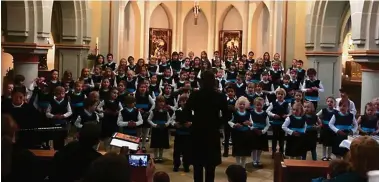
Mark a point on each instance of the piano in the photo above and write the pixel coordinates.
(33, 138)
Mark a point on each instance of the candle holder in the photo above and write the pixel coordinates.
(196, 10)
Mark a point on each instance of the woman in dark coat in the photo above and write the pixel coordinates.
(203, 109)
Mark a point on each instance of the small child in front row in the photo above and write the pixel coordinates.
(129, 118)
(159, 119)
(313, 123)
(88, 113)
(278, 111)
(241, 123)
(182, 136)
(326, 134)
(261, 123)
(368, 123)
(295, 126)
(58, 112)
(342, 123)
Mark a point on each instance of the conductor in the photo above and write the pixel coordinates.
(203, 108)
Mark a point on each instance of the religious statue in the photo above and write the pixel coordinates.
(42, 62)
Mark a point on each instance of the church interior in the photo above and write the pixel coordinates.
(339, 39)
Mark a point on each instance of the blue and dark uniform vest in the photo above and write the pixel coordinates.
(160, 117)
(312, 96)
(181, 118)
(96, 78)
(58, 108)
(266, 86)
(131, 85)
(344, 121)
(369, 124)
(111, 105)
(221, 81)
(239, 117)
(176, 65)
(52, 85)
(297, 123)
(231, 76)
(84, 117)
(104, 94)
(232, 101)
(120, 78)
(288, 89)
(241, 72)
(180, 84)
(167, 80)
(300, 75)
(194, 84)
(111, 65)
(276, 76)
(228, 63)
(170, 99)
(259, 119)
(152, 69)
(295, 85)
(43, 99)
(256, 77)
(155, 89)
(77, 100)
(142, 102)
(163, 67)
(311, 120)
(132, 67)
(279, 109)
(129, 116)
(240, 89)
(327, 115)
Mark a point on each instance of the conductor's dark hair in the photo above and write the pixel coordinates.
(236, 173)
(207, 80)
(161, 176)
(311, 71)
(109, 54)
(110, 167)
(90, 134)
(18, 79)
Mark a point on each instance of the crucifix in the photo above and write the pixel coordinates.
(196, 10)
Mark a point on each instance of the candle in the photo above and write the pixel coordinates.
(97, 40)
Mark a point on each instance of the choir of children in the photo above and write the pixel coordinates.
(132, 98)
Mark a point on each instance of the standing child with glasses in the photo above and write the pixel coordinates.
(326, 134)
(313, 124)
(261, 123)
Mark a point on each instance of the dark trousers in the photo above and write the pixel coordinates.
(209, 173)
(181, 147)
(277, 135)
(227, 135)
(59, 138)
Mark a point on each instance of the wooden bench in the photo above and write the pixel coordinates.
(44, 154)
(288, 170)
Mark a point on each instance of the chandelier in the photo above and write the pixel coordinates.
(196, 10)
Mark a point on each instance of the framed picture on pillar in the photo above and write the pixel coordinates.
(230, 43)
(159, 42)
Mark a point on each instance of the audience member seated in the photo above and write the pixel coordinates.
(236, 173)
(72, 162)
(114, 168)
(363, 157)
(17, 163)
(161, 177)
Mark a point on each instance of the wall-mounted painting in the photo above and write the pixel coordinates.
(230, 42)
(160, 42)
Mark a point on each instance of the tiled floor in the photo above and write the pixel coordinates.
(254, 175)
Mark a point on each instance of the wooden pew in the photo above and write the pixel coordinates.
(288, 170)
(44, 154)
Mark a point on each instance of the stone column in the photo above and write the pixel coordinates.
(328, 67)
(26, 58)
(72, 57)
(370, 75)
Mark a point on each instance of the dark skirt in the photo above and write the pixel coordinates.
(336, 149)
(326, 136)
(109, 126)
(310, 139)
(145, 124)
(259, 142)
(295, 145)
(159, 138)
(241, 143)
